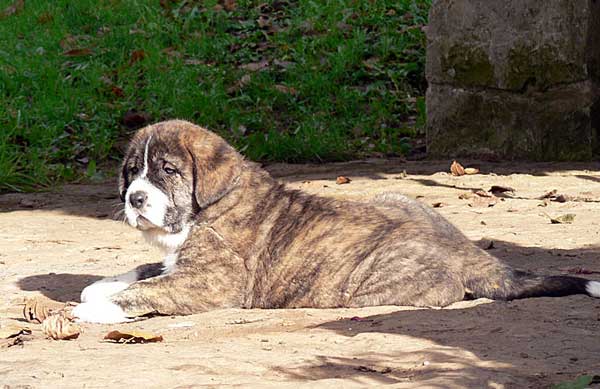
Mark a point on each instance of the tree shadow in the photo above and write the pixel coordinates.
(378, 369)
(101, 200)
(536, 341)
(61, 287)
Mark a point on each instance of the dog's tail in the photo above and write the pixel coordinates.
(514, 284)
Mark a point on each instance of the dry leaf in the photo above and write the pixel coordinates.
(117, 91)
(456, 169)
(12, 9)
(11, 330)
(229, 5)
(563, 219)
(286, 89)
(136, 56)
(193, 62)
(547, 195)
(133, 337)
(37, 309)
(14, 341)
(283, 64)
(483, 201)
(563, 198)
(471, 170)
(497, 189)
(60, 327)
(342, 180)
(438, 205)
(255, 66)
(245, 80)
(77, 52)
(482, 193)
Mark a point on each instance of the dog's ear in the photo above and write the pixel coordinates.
(216, 168)
(123, 184)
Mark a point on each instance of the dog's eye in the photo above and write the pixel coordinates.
(169, 171)
(134, 170)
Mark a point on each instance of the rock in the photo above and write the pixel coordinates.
(513, 79)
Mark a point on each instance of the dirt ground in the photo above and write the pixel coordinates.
(54, 244)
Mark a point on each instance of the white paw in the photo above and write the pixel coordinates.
(107, 287)
(100, 311)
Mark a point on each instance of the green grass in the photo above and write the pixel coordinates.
(337, 80)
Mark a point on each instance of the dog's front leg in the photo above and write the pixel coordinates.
(206, 275)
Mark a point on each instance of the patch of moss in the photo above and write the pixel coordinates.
(468, 65)
(538, 67)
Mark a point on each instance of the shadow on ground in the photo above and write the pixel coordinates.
(102, 200)
(521, 342)
(61, 287)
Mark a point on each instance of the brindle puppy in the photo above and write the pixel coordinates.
(235, 237)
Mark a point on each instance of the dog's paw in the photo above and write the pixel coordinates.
(100, 311)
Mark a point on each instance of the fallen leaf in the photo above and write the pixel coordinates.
(263, 21)
(11, 330)
(547, 195)
(60, 327)
(484, 202)
(13, 9)
(78, 52)
(38, 309)
(482, 193)
(471, 170)
(456, 169)
(563, 198)
(563, 219)
(255, 66)
(117, 91)
(136, 56)
(242, 82)
(44, 18)
(342, 180)
(497, 189)
(283, 64)
(14, 341)
(229, 5)
(286, 89)
(193, 62)
(133, 337)
(438, 205)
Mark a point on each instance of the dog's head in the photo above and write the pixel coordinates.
(171, 171)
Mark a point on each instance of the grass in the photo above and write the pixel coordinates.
(290, 81)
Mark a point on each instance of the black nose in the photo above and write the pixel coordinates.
(138, 199)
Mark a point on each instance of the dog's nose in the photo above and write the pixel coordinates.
(138, 199)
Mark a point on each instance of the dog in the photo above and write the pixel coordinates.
(233, 237)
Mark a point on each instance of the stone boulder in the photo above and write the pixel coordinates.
(513, 79)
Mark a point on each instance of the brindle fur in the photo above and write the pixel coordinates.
(255, 243)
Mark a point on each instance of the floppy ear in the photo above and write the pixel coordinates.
(123, 184)
(216, 169)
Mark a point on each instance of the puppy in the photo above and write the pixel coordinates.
(234, 237)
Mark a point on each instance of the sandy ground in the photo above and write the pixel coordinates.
(54, 244)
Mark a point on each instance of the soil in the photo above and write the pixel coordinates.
(54, 244)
